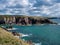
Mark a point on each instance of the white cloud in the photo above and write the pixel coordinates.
(45, 10)
(25, 2)
(20, 2)
(2, 6)
(36, 11)
(48, 1)
(53, 10)
(9, 3)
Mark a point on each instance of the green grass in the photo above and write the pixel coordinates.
(7, 38)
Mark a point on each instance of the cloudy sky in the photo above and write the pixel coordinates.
(30, 7)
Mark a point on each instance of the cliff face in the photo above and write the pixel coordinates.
(25, 20)
(33, 20)
(7, 38)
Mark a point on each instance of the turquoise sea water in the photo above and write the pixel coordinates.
(47, 34)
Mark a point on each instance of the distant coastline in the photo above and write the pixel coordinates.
(25, 20)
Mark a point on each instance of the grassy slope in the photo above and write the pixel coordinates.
(7, 38)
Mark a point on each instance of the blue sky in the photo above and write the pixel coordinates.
(30, 7)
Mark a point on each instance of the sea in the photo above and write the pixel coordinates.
(46, 34)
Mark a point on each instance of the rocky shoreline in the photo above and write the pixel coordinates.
(6, 38)
(18, 36)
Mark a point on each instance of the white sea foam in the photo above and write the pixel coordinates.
(55, 24)
(38, 43)
(58, 23)
(25, 35)
(2, 26)
(12, 29)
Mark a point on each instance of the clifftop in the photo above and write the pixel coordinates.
(7, 38)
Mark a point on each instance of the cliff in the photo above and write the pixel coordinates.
(6, 38)
(25, 20)
(33, 20)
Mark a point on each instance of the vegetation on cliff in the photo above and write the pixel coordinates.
(6, 38)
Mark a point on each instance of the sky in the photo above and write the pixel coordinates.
(30, 7)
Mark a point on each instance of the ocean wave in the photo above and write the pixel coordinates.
(55, 24)
(3, 26)
(58, 23)
(37, 43)
(25, 35)
(12, 28)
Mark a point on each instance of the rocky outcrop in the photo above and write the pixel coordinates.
(2, 22)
